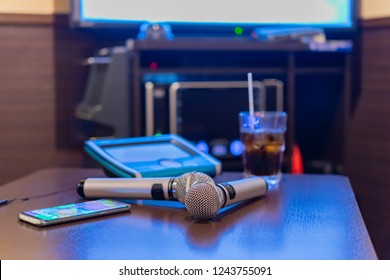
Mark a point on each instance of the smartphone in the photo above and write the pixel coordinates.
(72, 212)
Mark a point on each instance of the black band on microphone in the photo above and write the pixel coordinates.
(229, 189)
(170, 189)
(158, 192)
(80, 188)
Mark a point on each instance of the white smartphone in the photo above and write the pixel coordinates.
(72, 212)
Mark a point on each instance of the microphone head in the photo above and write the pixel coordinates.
(203, 200)
(185, 181)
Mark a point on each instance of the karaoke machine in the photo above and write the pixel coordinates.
(206, 113)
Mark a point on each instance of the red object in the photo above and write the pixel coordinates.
(296, 160)
(153, 66)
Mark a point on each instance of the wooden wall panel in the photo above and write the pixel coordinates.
(368, 147)
(41, 81)
(28, 99)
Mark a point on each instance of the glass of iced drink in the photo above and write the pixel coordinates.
(264, 143)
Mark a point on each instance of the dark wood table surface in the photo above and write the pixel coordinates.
(307, 217)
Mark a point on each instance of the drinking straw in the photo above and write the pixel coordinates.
(251, 105)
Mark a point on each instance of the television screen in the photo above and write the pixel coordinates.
(317, 13)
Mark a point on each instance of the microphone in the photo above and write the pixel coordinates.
(164, 188)
(204, 199)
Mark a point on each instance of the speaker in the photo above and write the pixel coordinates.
(106, 100)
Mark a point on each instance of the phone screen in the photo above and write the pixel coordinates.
(74, 211)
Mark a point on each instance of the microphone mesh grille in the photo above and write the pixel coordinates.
(185, 181)
(203, 200)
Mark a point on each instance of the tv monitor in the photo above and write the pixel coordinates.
(216, 16)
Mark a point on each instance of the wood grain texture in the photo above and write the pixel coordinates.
(308, 217)
(368, 150)
(26, 19)
(29, 97)
(26, 100)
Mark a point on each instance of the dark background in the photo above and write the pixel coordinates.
(42, 80)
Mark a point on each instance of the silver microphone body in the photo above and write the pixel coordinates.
(163, 188)
(136, 188)
(244, 189)
(204, 199)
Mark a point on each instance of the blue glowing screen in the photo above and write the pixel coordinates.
(146, 152)
(323, 13)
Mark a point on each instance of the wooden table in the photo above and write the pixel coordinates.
(307, 217)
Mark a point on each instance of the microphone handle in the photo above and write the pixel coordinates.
(240, 190)
(130, 188)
